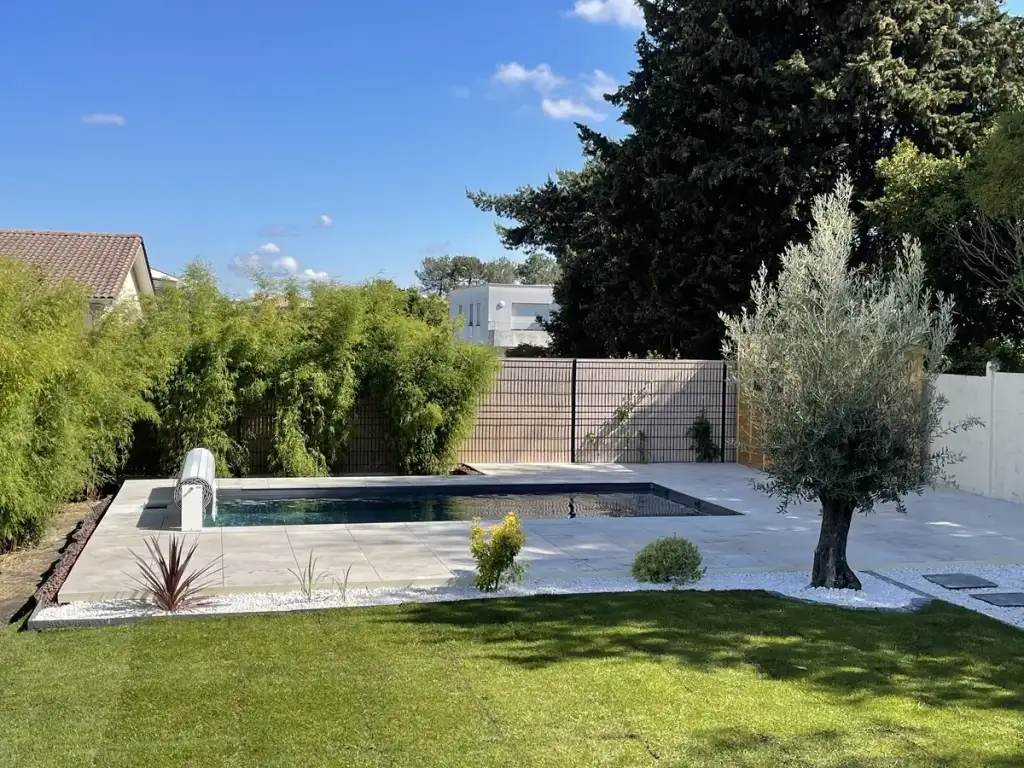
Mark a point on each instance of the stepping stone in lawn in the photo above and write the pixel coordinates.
(1003, 599)
(959, 581)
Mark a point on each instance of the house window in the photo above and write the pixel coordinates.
(479, 316)
(471, 315)
(529, 316)
(460, 310)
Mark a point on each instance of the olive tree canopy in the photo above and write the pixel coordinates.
(838, 367)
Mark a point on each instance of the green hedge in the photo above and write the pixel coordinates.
(69, 395)
(302, 357)
(195, 360)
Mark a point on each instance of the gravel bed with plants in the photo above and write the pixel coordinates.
(877, 594)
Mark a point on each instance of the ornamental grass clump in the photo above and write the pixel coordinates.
(669, 560)
(496, 557)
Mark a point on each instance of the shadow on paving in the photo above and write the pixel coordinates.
(940, 655)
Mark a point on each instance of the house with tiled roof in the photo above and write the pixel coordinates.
(115, 268)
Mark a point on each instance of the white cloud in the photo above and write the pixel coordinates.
(540, 77)
(623, 13)
(325, 220)
(268, 248)
(567, 109)
(103, 118)
(286, 264)
(600, 84)
(310, 274)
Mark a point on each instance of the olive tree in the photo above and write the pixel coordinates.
(838, 367)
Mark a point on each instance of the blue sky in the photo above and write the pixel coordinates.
(316, 136)
(217, 128)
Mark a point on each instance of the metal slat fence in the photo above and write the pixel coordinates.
(602, 411)
(548, 410)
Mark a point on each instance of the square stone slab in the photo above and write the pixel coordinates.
(959, 581)
(1003, 599)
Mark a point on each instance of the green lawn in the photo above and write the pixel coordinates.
(660, 679)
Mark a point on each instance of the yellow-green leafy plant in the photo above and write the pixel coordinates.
(71, 388)
(270, 384)
(669, 560)
(496, 556)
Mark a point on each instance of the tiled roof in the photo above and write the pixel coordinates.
(99, 261)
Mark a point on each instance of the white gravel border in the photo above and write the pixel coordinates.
(876, 594)
(1009, 578)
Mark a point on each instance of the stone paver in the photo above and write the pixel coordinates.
(940, 527)
(1002, 599)
(959, 581)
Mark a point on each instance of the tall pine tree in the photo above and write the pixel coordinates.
(741, 112)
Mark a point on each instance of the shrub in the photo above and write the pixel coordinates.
(496, 558)
(298, 359)
(69, 396)
(702, 435)
(669, 560)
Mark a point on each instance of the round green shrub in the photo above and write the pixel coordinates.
(669, 560)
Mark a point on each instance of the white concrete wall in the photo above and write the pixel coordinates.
(993, 453)
(464, 298)
(492, 313)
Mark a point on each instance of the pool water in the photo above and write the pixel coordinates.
(404, 508)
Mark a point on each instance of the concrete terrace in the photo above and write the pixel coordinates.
(942, 527)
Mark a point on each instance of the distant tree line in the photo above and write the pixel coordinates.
(440, 274)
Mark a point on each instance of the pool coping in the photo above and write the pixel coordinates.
(143, 508)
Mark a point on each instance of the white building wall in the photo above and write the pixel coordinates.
(993, 453)
(130, 290)
(495, 314)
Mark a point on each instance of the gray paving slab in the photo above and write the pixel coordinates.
(940, 527)
(1002, 599)
(959, 581)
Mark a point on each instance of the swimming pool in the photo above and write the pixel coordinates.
(402, 504)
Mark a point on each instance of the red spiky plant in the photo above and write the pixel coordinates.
(168, 582)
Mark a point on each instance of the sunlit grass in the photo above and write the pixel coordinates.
(679, 679)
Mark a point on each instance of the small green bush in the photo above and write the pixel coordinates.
(701, 433)
(669, 560)
(496, 558)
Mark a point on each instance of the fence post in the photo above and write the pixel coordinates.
(725, 379)
(991, 369)
(572, 415)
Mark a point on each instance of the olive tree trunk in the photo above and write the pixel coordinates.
(830, 567)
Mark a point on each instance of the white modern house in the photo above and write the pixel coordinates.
(503, 316)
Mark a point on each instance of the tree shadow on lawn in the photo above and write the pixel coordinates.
(940, 655)
(745, 747)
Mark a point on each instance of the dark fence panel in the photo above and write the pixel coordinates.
(602, 411)
(527, 417)
(641, 411)
(542, 410)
